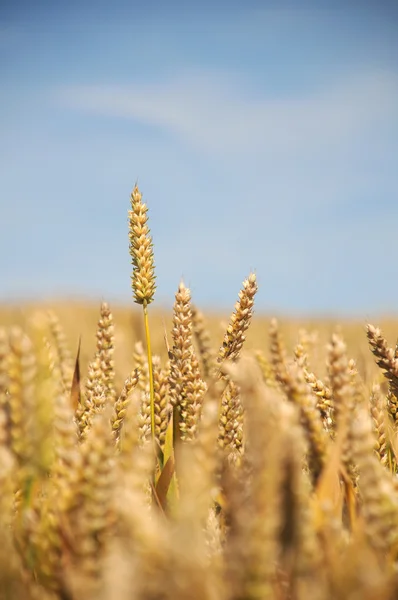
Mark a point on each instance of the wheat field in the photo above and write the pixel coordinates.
(149, 454)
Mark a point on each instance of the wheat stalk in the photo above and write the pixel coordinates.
(143, 277)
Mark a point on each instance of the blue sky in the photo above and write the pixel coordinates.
(263, 136)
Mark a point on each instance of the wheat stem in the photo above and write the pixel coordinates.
(150, 370)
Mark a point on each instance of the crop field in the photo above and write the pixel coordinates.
(171, 455)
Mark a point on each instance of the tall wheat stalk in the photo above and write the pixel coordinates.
(143, 277)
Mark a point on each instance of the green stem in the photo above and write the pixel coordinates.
(150, 369)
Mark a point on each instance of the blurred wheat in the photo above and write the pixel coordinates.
(239, 469)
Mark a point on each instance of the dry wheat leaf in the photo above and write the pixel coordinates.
(75, 395)
(164, 481)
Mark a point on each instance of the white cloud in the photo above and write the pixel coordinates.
(222, 115)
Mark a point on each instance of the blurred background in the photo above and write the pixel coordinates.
(264, 137)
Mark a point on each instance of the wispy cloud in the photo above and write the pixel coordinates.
(225, 116)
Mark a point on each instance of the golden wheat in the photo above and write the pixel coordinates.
(209, 476)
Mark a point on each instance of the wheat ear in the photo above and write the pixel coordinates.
(293, 384)
(64, 355)
(378, 411)
(105, 350)
(123, 401)
(239, 321)
(388, 362)
(186, 385)
(380, 501)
